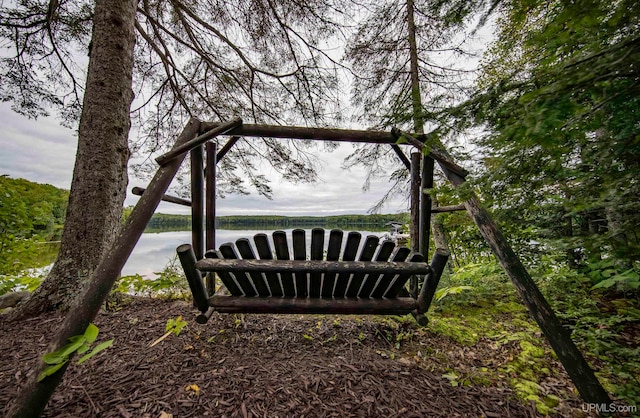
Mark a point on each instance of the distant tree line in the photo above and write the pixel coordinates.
(162, 221)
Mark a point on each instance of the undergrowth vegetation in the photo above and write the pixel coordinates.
(169, 283)
(604, 322)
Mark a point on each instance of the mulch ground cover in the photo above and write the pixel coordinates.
(255, 366)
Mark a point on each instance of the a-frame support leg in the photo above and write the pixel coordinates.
(102, 279)
(106, 273)
(574, 363)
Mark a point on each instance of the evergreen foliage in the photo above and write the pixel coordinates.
(405, 69)
(558, 102)
(29, 213)
(265, 61)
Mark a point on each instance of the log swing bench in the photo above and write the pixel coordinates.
(374, 283)
(363, 276)
(291, 278)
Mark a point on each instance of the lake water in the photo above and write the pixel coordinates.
(154, 251)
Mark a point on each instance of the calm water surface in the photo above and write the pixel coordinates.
(154, 251)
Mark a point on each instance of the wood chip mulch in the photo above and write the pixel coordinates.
(243, 366)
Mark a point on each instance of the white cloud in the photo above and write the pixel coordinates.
(337, 192)
(37, 150)
(44, 152)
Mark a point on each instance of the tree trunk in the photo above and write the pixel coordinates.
(100, 179)
(573, 255)
(617, 236)
(416, 94)
(437, 228)
(440, 237)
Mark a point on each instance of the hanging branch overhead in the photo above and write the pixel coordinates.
(260, 59)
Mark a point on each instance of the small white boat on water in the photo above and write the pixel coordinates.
(396, 233)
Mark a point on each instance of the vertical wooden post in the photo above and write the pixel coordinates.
(414, 227)
(197, 201)
(211, 150)
(425, 205)
(210, 222)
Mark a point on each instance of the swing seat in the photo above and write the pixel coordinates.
(262, 279)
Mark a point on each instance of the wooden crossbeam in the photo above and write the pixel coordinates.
(360, 306)
(299, 132)
(138, 191)
(312, 266)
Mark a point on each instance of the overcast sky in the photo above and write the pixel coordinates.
(44, 152)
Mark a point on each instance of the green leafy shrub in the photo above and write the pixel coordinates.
(169, 283)
(80, 344)
(601, 322)
(607, 274)
(451, 290)
(474, 284)
(10, 284)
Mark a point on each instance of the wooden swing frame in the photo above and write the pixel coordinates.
(197, 133)
(371, 283)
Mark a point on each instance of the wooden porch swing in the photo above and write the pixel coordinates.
(289, 277)
(305, 280)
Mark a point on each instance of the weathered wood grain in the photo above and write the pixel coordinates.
(247, 253)
(228, 251)
(311, 266)
(317, 253)
(398, 285)
(188, 260)
(414, 223)
(333, 254)
(210, 208)
(265, 253)
(226, 279)
(138, 191)
(368, 250)
(197, 201)
(282, 253)
(300, 253)
(428, 290)
(350, 250)
(400, 254)
(231, 304)
(197, 141)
